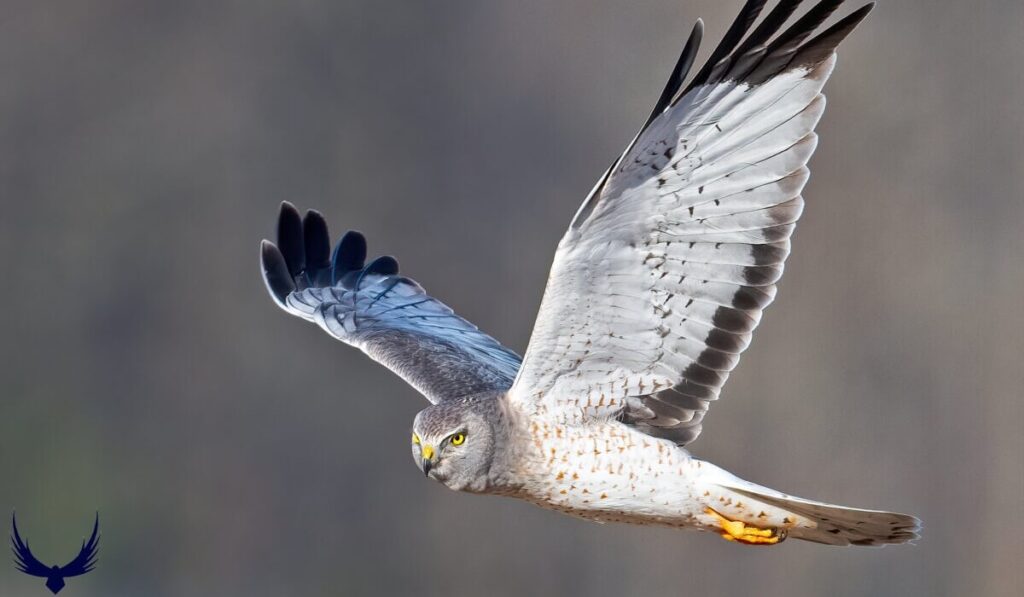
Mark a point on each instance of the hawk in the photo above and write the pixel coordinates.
(83, 563)
(654, 292)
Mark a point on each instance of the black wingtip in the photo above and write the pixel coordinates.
(384, 266)
(349, 255)
(805, 25)
(733, 36)
(302, 258)
(769, 26)
(679, 72)
(317, 238)
(317, 245)
(824, 44)
(759, 57)
(289, 238)
(275, 274)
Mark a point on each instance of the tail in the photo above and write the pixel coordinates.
(806, 519)
(839, 525)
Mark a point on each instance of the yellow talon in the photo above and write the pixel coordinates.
(735, 530)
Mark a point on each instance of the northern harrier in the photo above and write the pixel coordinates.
(654, 292)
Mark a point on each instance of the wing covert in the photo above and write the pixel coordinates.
(387, 316)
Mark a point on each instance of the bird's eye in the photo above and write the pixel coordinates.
(415, 439)
(458, 439)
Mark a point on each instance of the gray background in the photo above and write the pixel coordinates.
(232, 450)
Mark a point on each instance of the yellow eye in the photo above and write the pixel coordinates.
(458, 439)
(415, 439)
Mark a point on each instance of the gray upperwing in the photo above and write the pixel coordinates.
(387, 316)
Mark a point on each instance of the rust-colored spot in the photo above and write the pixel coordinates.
(604, 496)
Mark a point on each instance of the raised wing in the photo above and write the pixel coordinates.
(665, 270)
(85, 561)
(389, 317)
(23, 558)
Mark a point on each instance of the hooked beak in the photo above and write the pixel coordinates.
(426, 459)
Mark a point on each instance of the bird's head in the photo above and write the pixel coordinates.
(453, 442)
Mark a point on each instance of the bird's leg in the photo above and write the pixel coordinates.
(735, 530)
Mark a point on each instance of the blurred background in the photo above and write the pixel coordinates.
(232, 450)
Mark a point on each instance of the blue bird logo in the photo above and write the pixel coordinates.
(84, 562)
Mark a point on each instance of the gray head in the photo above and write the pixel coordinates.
(453, 442)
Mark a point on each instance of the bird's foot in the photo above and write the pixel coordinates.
(735, 530)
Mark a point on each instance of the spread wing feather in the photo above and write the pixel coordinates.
(668, 265)
(387, 316)
(85, 561)
(23, 558)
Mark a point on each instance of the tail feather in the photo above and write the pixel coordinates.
(838, 525)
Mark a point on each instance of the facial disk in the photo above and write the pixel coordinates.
(453, 443)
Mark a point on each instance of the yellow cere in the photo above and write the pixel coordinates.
(458, 439)
(428, 451)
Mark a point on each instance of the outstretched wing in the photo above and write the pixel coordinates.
(389, 317)
(23, 558)
(666, 268)
(85, 561)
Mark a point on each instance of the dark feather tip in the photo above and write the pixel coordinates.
(679, 72)
(350, 254)
(821, 47)
(289, 238)
(318, 240)
(384, 266)
(740, 26)
(769, 26)
(275, 272)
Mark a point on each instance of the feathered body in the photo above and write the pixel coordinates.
(610, 472)
(655, 291)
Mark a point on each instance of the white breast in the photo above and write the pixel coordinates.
(606, 471)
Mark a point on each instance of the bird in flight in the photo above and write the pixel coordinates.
(84, 562)
(654, 292)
